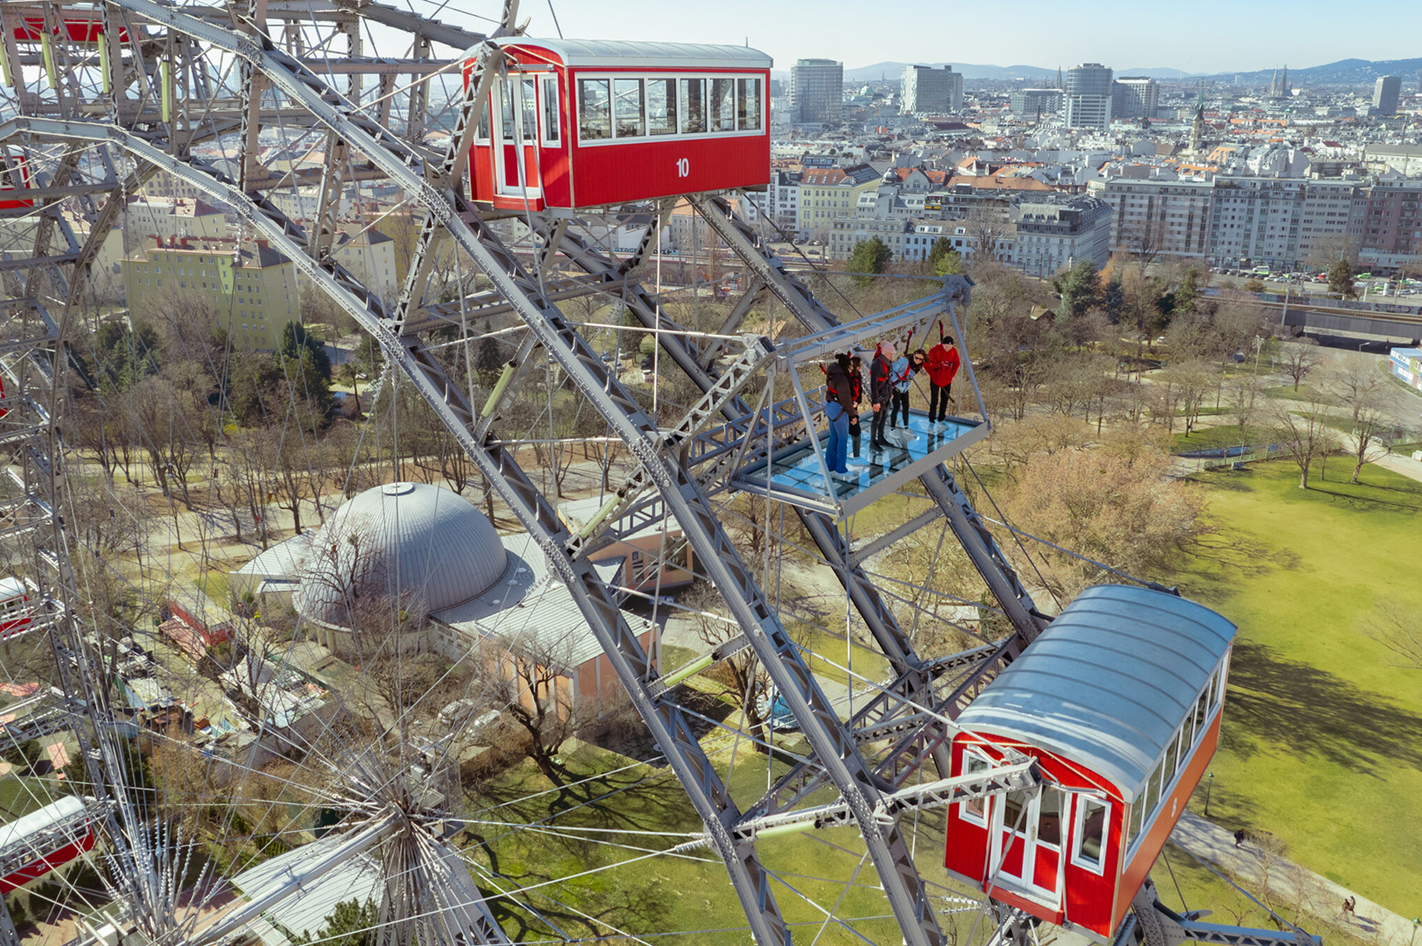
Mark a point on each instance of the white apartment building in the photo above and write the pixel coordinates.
(929, 90)
(1173, 215)
(1275, 222)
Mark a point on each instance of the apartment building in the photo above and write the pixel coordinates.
(254, 290)
(1086, 102)
(1275, 221)
(1386, 223)
(929, 90)
(827, 193)
(1054, 233)
(1134, 97)
(1172, 216)
(817, 90)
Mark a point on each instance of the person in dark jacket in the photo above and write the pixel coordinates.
(856, 386)
(881, 389)
(839, 400)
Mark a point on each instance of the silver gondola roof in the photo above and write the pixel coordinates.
(1108, 681)
(645, 55)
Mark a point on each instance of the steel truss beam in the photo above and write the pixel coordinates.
(669, 726)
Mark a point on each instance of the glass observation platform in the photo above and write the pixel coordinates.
(796, 474)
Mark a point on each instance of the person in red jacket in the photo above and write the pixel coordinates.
(943, 364)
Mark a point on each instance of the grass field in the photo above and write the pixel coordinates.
(1323, 730)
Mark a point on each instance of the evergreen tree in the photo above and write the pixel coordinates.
(869, 257)
(943, 260)
(295, 339)
(1113, 299)
(1080, 289)
(348, 924)
(490, 360)
(1340, 279)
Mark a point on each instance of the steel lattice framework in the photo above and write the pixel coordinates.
(101, 109)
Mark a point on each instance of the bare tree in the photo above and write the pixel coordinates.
(1193, 381)
(742, 679)
(987, 226)
(1144, 239)
(1243, 402)
(1298, 359)
(1305, 435)
(1360, 388)
(531, 682)
(1328, 250)
(1398, 627)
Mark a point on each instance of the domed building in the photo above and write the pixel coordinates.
(422, 547)
(422, 554)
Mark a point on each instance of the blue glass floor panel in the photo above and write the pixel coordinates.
(796, 477)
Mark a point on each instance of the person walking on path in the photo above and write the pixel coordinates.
(838, 403)
(943, 362)
(881, 388)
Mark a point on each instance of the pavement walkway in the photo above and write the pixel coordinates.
(1292, 884)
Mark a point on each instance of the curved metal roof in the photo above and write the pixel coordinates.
(398, 540)
(1107, 683)
(617, 54)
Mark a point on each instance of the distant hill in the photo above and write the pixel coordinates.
(1155, 72)
(1344, 72)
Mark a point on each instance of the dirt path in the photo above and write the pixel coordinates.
(1291, 883)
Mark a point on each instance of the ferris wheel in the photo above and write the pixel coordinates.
(809, 725)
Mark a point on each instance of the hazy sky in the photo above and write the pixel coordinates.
(1202, 36)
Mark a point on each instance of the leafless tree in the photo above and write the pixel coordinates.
(1360, 386)
(742, 679)
(987, 226)
(1298, 359)
(1193, 381)
(1243, 401)
(1304, 434)
(530, 681)
(1328, 250)
(1398, 627)
(1144, 239)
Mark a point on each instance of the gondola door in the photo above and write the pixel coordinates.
(1027, 843)
(515, 130)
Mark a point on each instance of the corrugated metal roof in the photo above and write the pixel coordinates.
(283, 560)
(615, 54)
(531, 608)
(305, 911)
(1108, 681)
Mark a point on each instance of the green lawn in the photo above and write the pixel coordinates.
(1322, 742)
(1224, 435)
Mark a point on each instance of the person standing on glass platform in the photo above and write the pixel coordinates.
(943, 364)
(839, 401)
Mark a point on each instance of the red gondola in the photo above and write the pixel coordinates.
(581, 123)
(14, 177)
(35, 844)
(1119, 700)
(14, 607)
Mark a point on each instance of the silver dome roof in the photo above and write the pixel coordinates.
(423, 546)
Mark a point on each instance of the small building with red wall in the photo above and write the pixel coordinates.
(1119, 700)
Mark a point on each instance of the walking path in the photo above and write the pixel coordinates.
(1291, 883)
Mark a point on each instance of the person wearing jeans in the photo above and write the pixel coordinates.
(838, 400)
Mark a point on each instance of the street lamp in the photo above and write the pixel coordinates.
(1208, 785)
(1416, 923)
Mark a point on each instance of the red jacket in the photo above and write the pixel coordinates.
(942, 364)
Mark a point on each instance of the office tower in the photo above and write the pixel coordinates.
(817, 90)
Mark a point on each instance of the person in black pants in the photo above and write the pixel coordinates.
(856, 386)
(881, 388)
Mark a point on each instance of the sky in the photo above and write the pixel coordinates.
(1204, 36)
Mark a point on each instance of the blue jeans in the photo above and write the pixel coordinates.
(838, 440)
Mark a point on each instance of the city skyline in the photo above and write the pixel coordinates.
(1263, 35)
